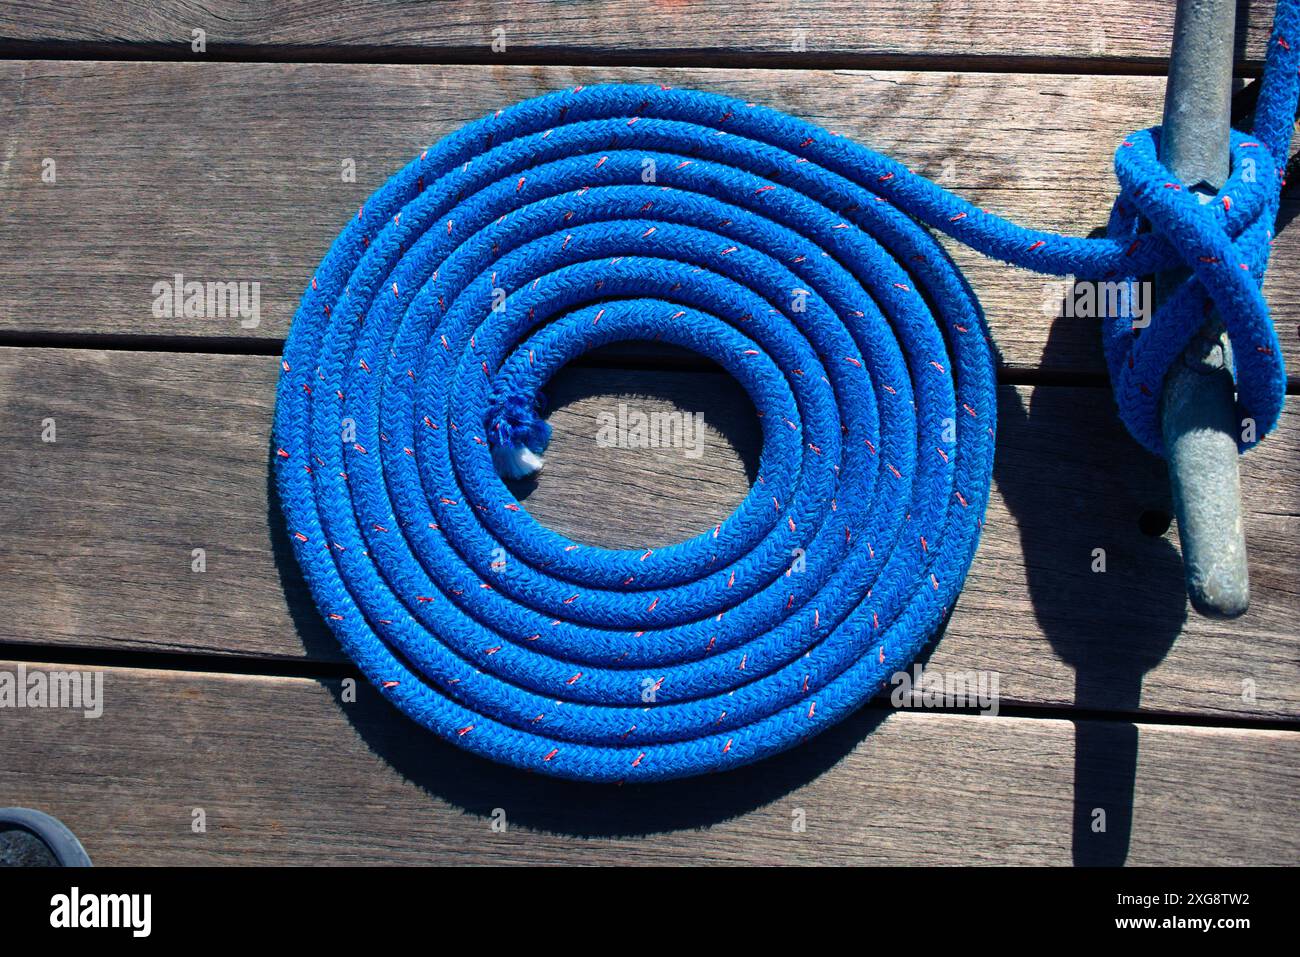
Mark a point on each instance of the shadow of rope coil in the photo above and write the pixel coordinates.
(798, 261)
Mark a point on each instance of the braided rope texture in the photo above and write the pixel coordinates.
(797, 260)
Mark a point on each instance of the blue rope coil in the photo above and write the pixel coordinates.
(796, 259)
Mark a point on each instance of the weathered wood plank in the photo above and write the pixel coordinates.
(234, 172)
(692, 31)
(161, 453)
(286, 771)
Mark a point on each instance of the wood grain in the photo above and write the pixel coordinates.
(817, 32)
(286, 771)
(234, 172)
(161, 453)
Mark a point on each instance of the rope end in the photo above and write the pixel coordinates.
(518, 437)
(516, 462)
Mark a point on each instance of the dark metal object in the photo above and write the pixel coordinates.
(57, 846)
(1198, 407)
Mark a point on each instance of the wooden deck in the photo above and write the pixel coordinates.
(223, 690)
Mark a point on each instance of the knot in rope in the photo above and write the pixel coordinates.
(1224, 244)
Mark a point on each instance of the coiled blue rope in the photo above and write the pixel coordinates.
(794, 258)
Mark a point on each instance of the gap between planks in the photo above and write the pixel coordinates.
(1117, 35)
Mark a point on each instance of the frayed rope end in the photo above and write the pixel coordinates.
(518, 436)
(516, 462)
